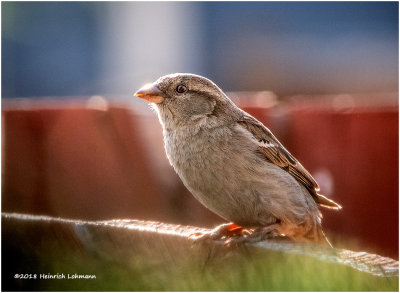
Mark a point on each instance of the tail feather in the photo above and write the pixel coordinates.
(326, 202)
(323, 238)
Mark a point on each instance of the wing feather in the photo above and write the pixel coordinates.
(275, 153)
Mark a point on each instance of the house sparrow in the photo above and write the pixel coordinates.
(233, 164)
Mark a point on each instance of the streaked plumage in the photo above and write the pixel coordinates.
(231, 162)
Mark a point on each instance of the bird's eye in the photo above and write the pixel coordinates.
(181, 88)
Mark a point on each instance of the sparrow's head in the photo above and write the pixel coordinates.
(182, 98)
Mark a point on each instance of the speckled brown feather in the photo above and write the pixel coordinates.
(275, 153)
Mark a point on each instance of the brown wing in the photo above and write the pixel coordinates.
(275, 153)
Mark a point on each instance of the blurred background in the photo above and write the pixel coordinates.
(85, 48)
(323, 76)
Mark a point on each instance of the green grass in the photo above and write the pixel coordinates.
(271, 271)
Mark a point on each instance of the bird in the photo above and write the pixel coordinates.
(234, 165)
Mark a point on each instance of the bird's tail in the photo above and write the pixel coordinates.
(322, 239)
(326, 202)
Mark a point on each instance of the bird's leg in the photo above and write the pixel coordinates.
(267, 232)
(257, 234)
(221, 232)
(232, 234)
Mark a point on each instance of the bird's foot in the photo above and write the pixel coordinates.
(234, 234)
(265, 233)
(257, 234)
(223, 232)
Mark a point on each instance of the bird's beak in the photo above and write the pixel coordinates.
(150, 93)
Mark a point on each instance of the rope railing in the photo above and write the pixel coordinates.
(362, 261)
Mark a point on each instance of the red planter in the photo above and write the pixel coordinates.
(77, 163)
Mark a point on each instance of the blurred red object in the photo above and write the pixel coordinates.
(76, 162)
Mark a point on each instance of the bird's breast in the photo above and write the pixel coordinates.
(187, 151)
(211, 162)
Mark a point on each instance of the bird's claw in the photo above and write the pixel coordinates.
(225, 232)
(228, 234)
(237, 235)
